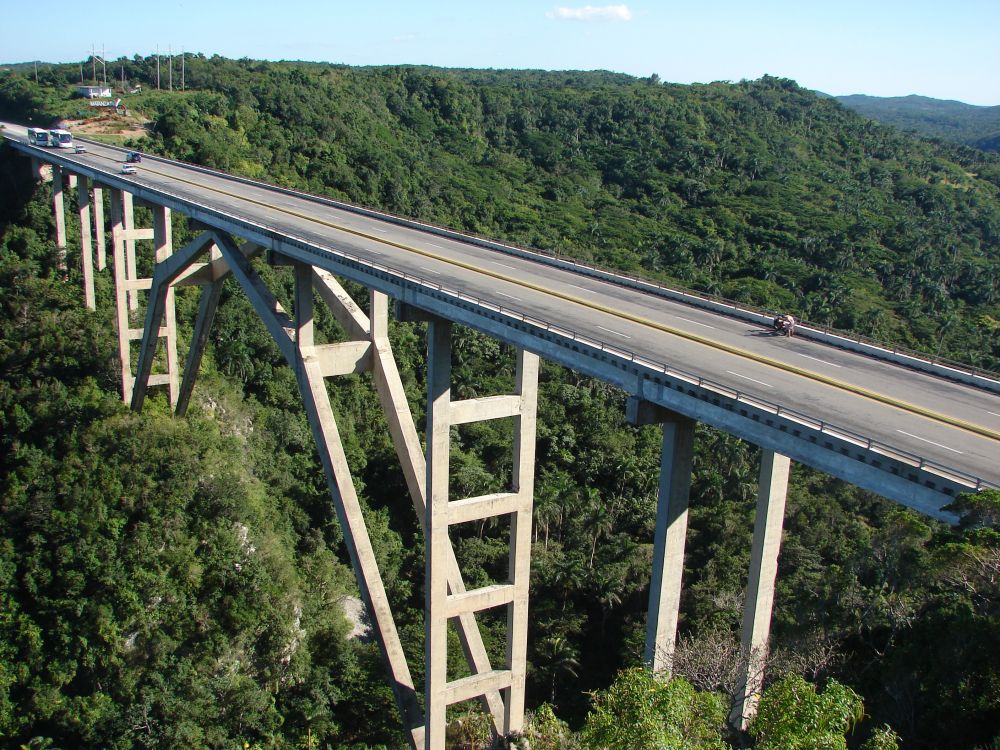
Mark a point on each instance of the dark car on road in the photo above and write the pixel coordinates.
(133, 157)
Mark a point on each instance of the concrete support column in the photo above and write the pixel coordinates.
(58, 209)
(436, 527)
(86, 247)
(163, 248)
(442, 511)
(98, 211)
(202, 328)
(771, 494)
(413, 461)
(520, 538)
(128, 223)
(676, 457)
(303, 305)
(121, 292)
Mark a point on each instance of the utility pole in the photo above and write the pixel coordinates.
(157, 67)
(93, 62)
(182, 70)
(170, 67)
(36, 72)
(104, 66)
(81, 73)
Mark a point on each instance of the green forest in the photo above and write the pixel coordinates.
(949, 120)
(174, 582)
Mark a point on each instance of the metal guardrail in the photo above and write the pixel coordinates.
(677, 293)
(823, 427)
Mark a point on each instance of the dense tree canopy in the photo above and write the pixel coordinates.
(176, 582)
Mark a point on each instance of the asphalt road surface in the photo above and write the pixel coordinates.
(951, 424)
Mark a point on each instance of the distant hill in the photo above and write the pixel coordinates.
(938, 118)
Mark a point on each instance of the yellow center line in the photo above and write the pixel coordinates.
(737, 351)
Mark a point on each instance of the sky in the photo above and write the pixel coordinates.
(946, 49)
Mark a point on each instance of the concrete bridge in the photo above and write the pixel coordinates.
(914, 430)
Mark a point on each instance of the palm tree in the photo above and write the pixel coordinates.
(557, 658)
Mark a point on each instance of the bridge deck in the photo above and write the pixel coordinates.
(617, 333)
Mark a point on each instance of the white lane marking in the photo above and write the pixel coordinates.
(758, 382)
(993, 413)
(509, 296)
(503, 265)
(431, 244)
(380, 231)
(694, 322)
(582, 289)
(616, 333)
(430, 270)
(917, 437)
(816, 359)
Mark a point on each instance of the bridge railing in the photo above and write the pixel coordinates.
(982, 377)
(973, 482)
(252, 229)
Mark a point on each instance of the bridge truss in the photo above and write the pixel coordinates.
(657, 395)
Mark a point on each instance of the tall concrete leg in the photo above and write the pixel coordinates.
(121, 292)
(771, 495)
(199, 341)
(442, 512)
(520, 537)
(671, 530)
(98, 206)
(211, 279)
(313, 386)
(86, 247)
(163, 248)
(436, 525)
(58, 209)
(311, 364)
(411, 458)
(127, 287)
(128, 222)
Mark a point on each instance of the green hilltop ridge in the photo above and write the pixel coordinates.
(969, 124)
(759, 191)
(177, 582)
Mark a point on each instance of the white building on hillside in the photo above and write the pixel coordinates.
(94, 92)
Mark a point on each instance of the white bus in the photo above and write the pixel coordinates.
(60, 139)
(38, 137)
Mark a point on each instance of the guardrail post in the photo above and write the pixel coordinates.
(771, 494)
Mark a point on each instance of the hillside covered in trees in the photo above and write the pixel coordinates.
(176, 582)
(952, 121)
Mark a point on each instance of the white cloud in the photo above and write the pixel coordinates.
(590, 13)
